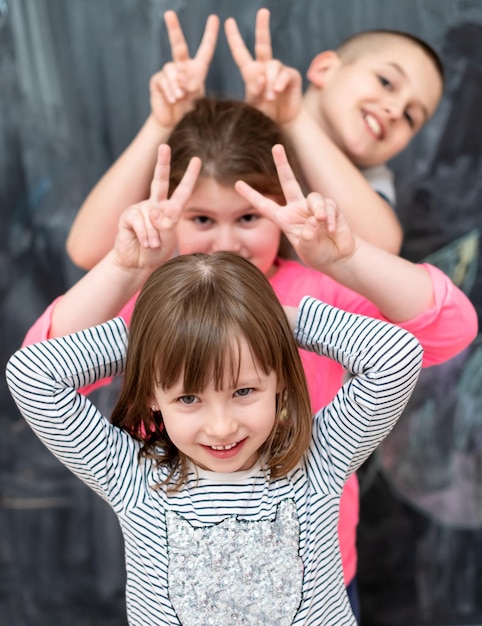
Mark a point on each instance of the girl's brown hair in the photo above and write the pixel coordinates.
(234, 141)
(187, 322)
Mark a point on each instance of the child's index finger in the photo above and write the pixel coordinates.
(290, 186)
(263, 49)
(264, 205)
(183, 191)
(208, 42)
(160, 180)
(240, 52)
(179, 48)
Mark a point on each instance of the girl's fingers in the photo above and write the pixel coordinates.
(208, 42)
(179, 48)
(310, 230)
(265, 206)
(239, 51)
(324, 211)
(137, 223)
(263, 50)
(331, 210)
(160, 180)
(317, 205)
(290, 186)
(184, 190)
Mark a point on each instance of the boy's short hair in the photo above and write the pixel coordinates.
(355, 45)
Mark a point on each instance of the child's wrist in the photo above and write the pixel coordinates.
(343, 265)
(132, 276)
(296, 124)
(162, 131)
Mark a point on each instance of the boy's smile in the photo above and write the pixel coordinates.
(372, 106)
(222, 430)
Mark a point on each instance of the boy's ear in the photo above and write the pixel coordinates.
(321, 67)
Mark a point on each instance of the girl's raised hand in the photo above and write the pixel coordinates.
(315, 226)
(273, 88)
(181, 81)
(146, 234)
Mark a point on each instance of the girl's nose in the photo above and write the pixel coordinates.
(227, 241)
(220, 426)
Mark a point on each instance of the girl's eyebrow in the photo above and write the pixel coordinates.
(209, 212)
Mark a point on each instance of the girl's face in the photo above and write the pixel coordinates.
(218, 218)
(222, 430)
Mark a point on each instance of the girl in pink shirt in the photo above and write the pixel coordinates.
(196, 186)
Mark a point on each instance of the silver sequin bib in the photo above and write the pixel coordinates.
(236, 573)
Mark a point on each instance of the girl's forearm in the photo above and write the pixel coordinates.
(127, 182)
(96, 298)
(401, 290)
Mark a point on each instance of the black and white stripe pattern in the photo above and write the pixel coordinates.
(384, 363)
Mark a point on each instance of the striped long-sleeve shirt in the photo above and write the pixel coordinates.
(232, 549)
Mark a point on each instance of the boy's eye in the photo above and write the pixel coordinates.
(245, 391)
(385, 82)
(188, 399)
(409, 119)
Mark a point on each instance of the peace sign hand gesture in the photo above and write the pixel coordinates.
(181, 81)
(273, 88)
(147, 231)
(315, 226)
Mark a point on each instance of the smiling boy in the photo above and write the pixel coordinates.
(373, 94)
(365, 102)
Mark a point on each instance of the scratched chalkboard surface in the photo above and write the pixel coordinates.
(73, 92)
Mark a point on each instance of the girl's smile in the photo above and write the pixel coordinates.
(226, 451)
(222, 430)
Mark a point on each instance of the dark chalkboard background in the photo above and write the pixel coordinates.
(73, 92)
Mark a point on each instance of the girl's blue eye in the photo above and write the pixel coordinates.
(242, 393)
(187, 399)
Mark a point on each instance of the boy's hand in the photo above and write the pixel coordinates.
(181, 81)
(315, 226)
(147, 231)
(273, 88)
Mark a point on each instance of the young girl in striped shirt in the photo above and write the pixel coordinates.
(226, 488)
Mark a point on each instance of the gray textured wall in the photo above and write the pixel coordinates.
(73, 92)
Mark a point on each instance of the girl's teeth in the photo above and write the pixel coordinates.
(228, 447)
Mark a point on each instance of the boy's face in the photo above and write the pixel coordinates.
(373, 106)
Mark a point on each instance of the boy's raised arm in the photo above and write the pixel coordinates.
(173, 90)
(276, 90)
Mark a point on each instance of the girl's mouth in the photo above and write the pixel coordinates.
(227, 451)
